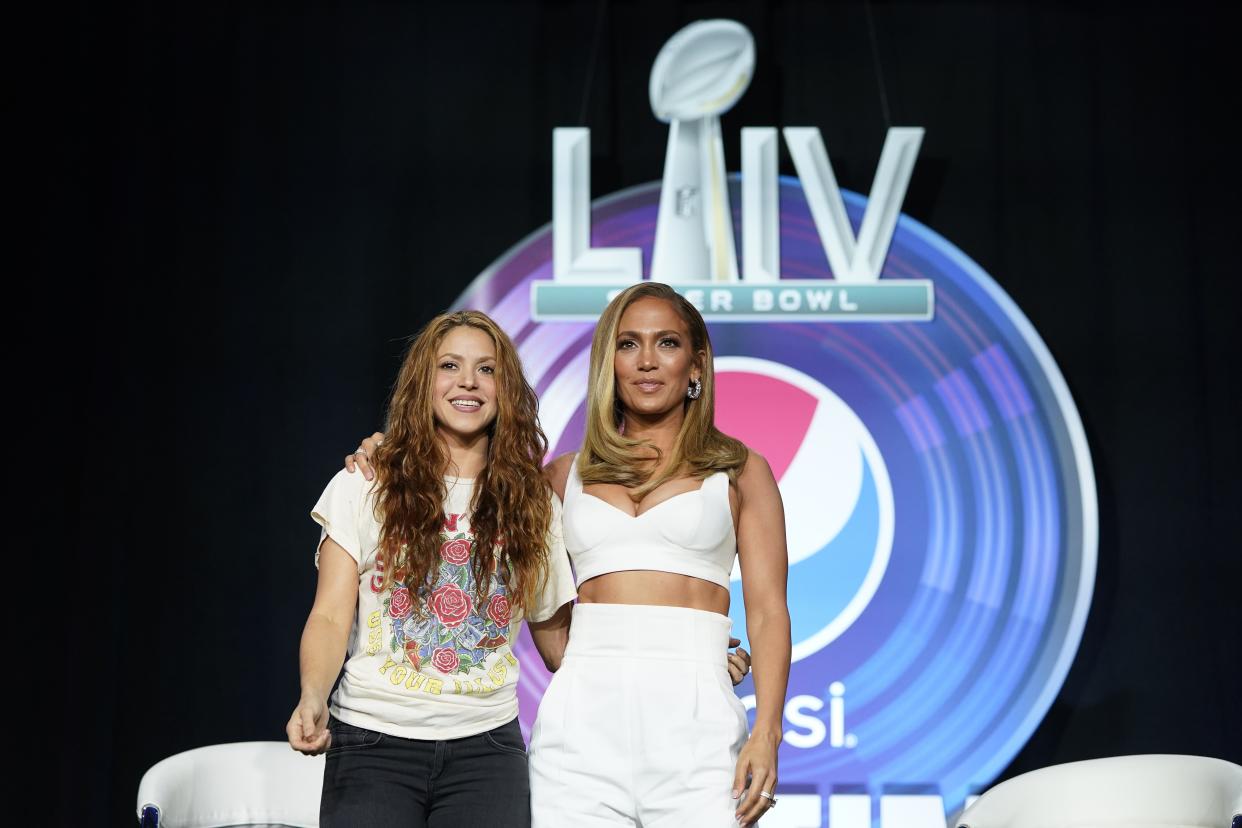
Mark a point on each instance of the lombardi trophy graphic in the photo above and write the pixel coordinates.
(699, 75)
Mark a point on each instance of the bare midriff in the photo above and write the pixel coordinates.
(651, 588)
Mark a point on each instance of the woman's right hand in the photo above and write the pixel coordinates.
(308, 726)
(361, 458)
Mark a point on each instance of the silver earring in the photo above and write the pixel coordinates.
(696, 388)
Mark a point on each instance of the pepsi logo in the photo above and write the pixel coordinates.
(835, 487)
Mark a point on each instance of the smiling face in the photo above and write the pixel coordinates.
(655, 360)
(464, 390)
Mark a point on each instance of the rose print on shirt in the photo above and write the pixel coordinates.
(498, 610)
(445, 660)
(456, 552)
(451, 605)
(450, 633)
(400, 604)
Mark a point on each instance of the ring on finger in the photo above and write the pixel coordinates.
(771, 799)
(362, 451)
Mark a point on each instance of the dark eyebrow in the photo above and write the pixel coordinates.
(657, 333)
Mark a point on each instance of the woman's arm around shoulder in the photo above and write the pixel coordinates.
(551, 635)
(549, 631)
(361, 458)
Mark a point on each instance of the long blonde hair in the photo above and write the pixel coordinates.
(700, 450)
(511, 508)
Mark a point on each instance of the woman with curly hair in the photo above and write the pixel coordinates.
(424, 579)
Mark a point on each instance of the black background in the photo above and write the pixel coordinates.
(246, 209)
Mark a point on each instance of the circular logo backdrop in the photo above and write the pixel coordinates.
(938, 493)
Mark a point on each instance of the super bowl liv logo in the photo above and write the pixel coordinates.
(937, 484)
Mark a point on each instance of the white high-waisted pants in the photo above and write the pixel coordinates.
(640, 725)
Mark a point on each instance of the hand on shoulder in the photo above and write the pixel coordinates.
(361, 458)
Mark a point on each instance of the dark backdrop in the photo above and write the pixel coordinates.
(254, 206)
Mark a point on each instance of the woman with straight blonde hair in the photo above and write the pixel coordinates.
(640, 726)
(433, 568)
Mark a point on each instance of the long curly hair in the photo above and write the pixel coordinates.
(700, 450)
(511, 508)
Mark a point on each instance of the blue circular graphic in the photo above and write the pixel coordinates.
(939, 495)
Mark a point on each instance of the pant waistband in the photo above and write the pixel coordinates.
(648, 632)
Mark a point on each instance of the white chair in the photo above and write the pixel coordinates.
(1154, 791)
(247, 783)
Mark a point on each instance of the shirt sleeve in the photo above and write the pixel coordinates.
(558, 588)
(339, 511)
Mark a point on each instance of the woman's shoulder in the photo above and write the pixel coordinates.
(557, 473)
(349, 485)
(755, 470)
(345, 510)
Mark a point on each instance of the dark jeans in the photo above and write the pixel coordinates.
(372, 779)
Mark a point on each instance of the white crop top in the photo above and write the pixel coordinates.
(689, 534)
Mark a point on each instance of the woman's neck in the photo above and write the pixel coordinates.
(467, 457)
(659, 431)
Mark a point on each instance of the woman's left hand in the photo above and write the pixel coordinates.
(757, 761)
(738, 662)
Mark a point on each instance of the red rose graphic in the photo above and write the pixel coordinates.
(498, 610)
(444, 660)
(450, 523)
(411, 653)
(456, 551)
(450, 605)
(401, 605)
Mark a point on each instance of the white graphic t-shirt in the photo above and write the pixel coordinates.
(451, 672)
